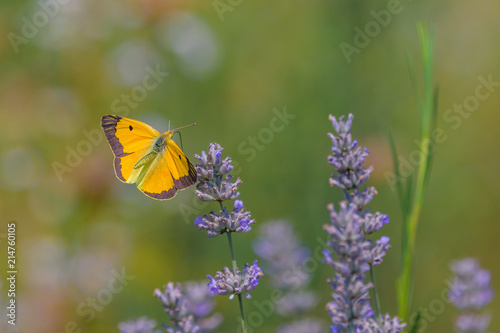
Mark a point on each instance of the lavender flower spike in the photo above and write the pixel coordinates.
(214, 180)
(355, 254)
(229, 283)
(471, 291)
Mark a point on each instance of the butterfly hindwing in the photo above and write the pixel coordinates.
(156, 180)
(124, 166)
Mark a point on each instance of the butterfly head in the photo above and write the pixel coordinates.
(161, 141)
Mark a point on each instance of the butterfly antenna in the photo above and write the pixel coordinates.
(169, 124)
(178, 128)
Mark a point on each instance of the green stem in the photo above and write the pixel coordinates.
(375, 295)
(243, 323)
(233, 259)
(235, 267)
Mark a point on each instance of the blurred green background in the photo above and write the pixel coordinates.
(228, 72)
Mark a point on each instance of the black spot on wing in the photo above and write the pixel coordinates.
(130, 127)
(108, 123)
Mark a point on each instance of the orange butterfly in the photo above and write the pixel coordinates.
(146, 157)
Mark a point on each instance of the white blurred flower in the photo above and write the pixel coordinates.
(192, 41)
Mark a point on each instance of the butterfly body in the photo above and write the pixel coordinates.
(144, 156)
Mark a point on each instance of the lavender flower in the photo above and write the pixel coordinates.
(237, 283)
(283, 254)
(307, 325)
(374, 222)
(199, 299)
(285, 257)
(214, 180)
(470, 292)
(216, 224)
(469, 322)
(188, 310)
(296, 302)
(348, 228)
(141, 325)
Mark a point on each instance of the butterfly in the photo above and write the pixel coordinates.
(144, 156)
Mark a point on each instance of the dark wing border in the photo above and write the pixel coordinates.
(108, 123)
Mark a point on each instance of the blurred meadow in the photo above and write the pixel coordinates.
(234, 71)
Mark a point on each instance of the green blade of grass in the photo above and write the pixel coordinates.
(416, 185)
(432, 142)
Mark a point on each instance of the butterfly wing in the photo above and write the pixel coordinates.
(155, 179)
(130, 140)
(180, 167)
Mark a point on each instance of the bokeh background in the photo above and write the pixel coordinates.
(228, 72)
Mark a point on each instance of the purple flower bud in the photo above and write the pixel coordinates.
(238, 204)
